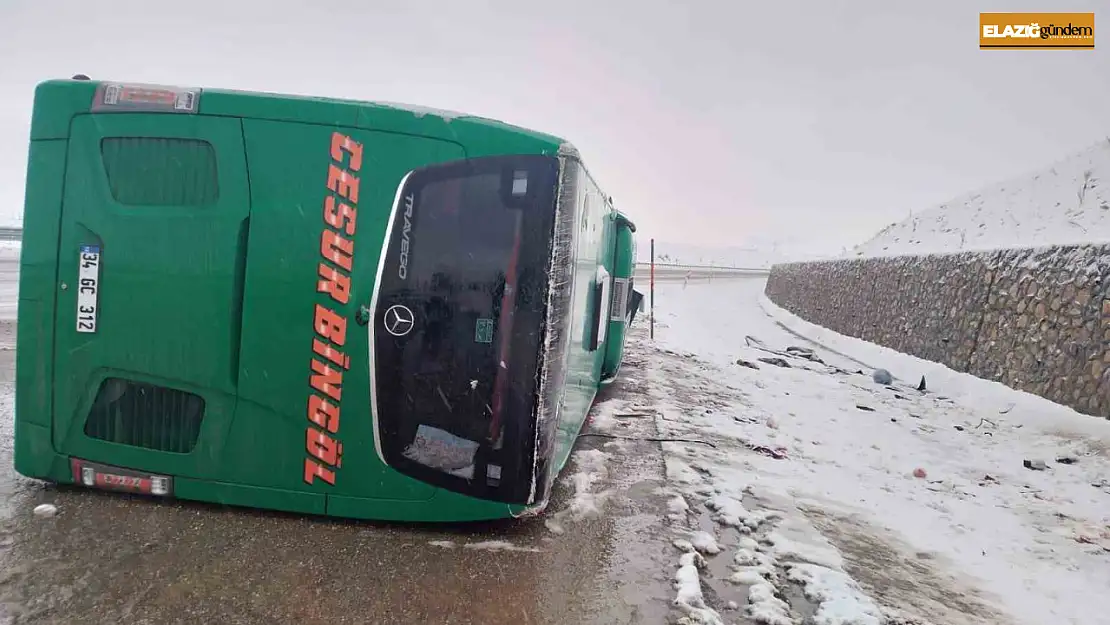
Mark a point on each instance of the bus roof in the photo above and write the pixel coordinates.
(57, 101)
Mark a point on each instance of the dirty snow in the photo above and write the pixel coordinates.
(705, 542)
(590, 493)
(805, 475)
(1067, 202)
(45, 510)
(485, 545)
(840, 600)
(498, 545)
(689, 593)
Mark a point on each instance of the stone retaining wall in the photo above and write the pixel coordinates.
(1036, 320)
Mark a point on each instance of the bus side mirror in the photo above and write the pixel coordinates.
(635, 303)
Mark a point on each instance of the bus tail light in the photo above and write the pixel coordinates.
(142, 97)
(105, 477)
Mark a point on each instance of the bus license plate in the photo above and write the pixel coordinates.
(88, 288)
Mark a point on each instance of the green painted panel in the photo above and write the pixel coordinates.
(170, 283)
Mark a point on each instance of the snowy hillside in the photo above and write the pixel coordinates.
(1066, 203)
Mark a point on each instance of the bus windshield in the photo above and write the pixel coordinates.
(458, 327)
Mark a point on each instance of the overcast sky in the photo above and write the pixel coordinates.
(716, 122)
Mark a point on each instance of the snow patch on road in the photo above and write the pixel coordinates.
(587, 502)
(689, 593)
(795, 540)
(45, 510)
(484, 545)
(705, 542)
(814, 464)
(678, 507)
(775, 547)
(499, 545)
(840, 601)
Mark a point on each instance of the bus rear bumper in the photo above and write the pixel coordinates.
(35, 458)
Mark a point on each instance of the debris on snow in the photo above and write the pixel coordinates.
(805, 353)
(778, 362)
(778, 453)
(602, 418)
(882, 376)
(1036, 465)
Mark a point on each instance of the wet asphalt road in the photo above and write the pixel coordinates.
(112, 558)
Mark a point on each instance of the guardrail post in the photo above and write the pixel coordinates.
(651, 313)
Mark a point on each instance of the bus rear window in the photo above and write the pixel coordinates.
(458, 328)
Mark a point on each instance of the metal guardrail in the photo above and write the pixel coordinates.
(672, 267)
(11, 234)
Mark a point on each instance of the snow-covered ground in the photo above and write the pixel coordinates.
(1067, 202)
(811, 491)
(9, 279)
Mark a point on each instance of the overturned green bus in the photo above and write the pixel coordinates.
(314, 305)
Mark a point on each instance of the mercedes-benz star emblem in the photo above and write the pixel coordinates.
(398, 320)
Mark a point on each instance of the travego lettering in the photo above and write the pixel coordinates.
(406, 230)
